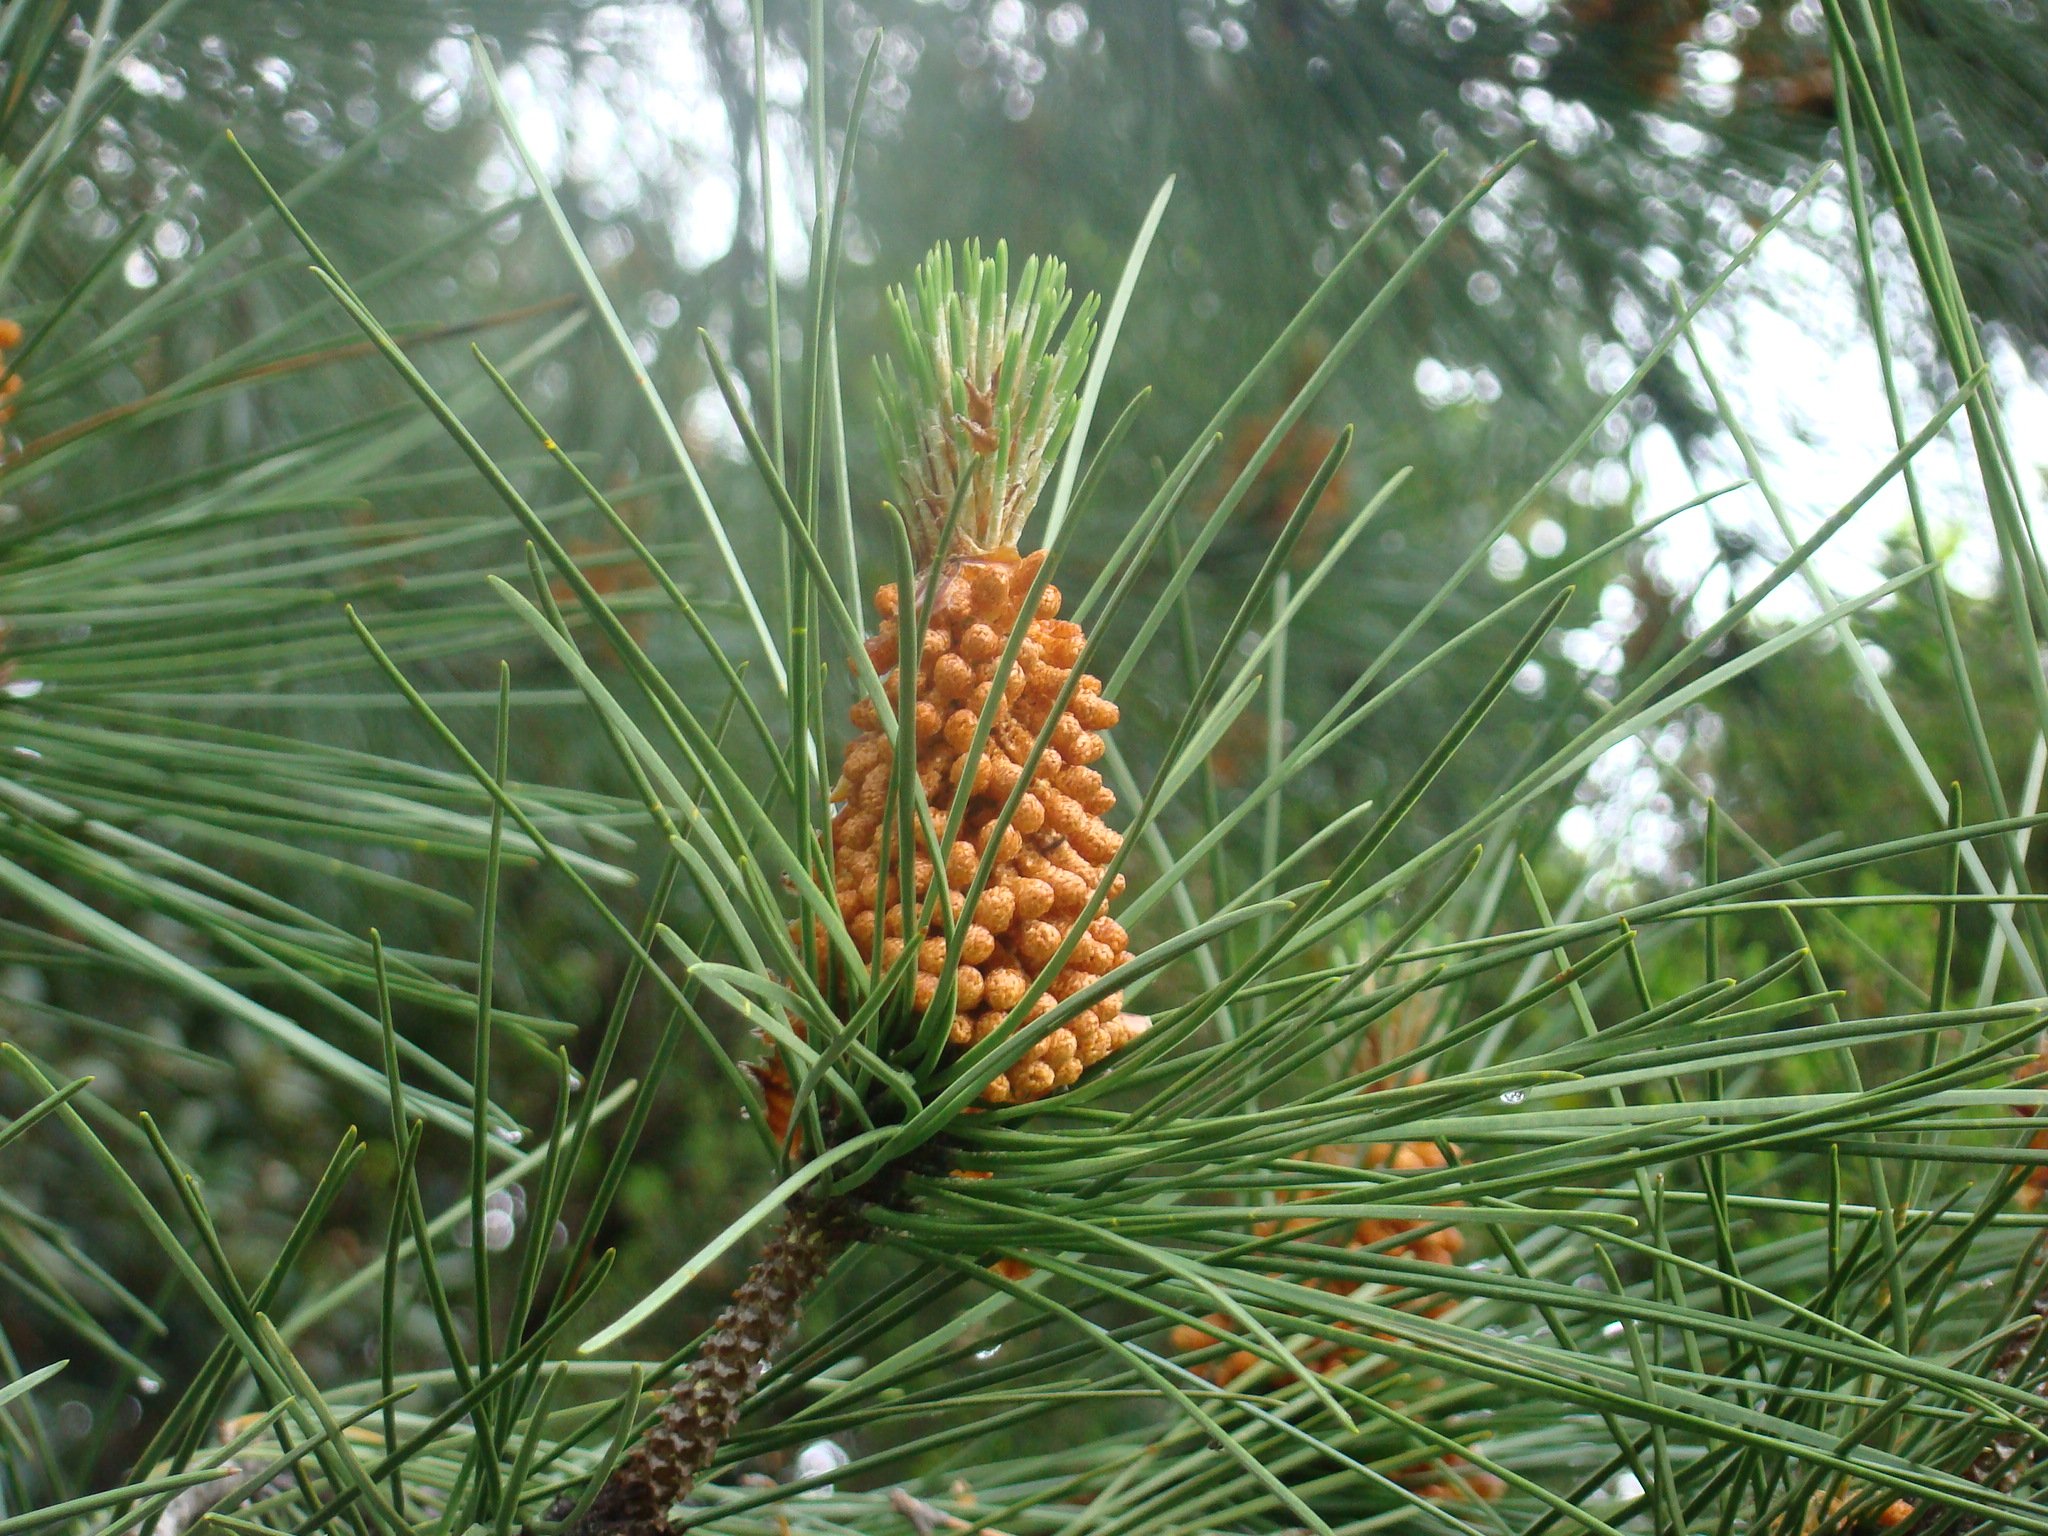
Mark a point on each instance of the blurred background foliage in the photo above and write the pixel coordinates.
(1665, 130)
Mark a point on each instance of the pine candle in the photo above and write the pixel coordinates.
(990, 399)
(972, 426)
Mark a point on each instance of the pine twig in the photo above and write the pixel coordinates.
(704, 1406)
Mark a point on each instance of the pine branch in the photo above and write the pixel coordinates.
(704, 1406)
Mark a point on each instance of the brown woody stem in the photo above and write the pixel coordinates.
(704, 1405)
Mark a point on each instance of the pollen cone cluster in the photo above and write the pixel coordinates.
(1047, 877)
(1441, 1480)
(1448, 1479)
(2031, 1193)
(1850, 1513)
(10, 381)
(996, 903)
(1431, 1243)
(1392, 1042)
